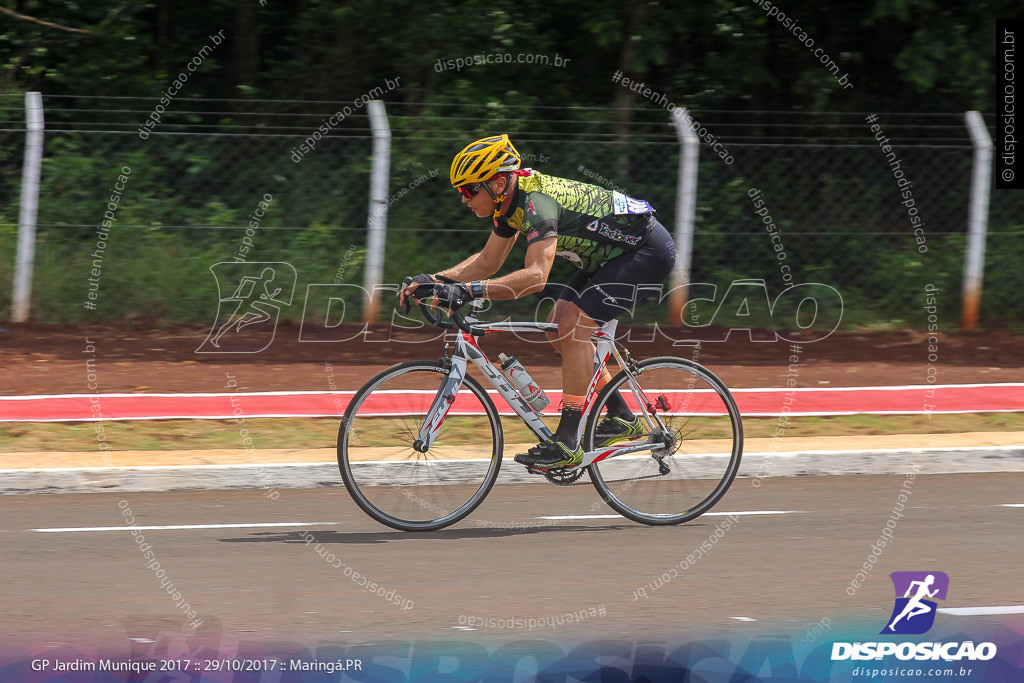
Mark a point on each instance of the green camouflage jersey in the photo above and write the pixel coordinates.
(592, 225)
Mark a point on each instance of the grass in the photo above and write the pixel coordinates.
(305, 433)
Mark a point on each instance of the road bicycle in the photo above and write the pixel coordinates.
(421, 443)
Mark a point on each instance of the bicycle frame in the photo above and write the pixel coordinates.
(468, 349)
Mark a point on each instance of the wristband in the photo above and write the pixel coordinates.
(476, 289)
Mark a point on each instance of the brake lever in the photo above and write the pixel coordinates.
(406, 281)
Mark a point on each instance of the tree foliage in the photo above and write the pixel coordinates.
(902, 55)
(302, 58)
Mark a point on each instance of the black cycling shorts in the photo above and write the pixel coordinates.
(613, 288)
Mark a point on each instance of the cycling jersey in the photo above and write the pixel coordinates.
(592, 225)
(618, 285)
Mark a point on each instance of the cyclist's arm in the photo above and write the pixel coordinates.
(531, 278)
(483, 263)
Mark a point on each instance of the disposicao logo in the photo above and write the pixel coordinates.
(913, 614)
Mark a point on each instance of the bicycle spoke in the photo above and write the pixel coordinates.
(399, 485)
(702, 433)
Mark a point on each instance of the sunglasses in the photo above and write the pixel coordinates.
(470, 191)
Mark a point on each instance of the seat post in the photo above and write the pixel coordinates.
(609, 328)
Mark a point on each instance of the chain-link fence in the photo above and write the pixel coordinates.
(813, 200)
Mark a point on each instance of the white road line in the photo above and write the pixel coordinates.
(754, 512)
(1012, 505)
(181, 526)
(561, 517)
(982, 611)
(743, 618)
(706, 514)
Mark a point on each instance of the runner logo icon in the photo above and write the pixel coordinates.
(913, 612)
(247, 317)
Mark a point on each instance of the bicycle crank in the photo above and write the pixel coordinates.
(558, 476)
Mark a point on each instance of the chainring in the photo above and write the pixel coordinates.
(563, 477)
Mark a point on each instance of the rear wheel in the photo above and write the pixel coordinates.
(382, 466)
(684, 407)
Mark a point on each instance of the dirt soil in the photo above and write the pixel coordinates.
(149, 357)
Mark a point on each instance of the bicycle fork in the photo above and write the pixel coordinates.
(442, 403)
(452, 384)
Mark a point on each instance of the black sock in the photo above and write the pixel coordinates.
(568, 426)
(617, 407)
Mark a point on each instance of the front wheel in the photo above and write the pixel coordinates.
(389, 477)
(690, 413)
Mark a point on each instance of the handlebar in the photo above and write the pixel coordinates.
(455, 319)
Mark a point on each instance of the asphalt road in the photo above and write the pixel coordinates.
(267, 584)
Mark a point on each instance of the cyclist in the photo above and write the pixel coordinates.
(616, 242)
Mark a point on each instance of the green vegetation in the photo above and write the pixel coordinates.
(227, 139)
(728, 54)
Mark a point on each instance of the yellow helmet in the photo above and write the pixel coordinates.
(482, 159)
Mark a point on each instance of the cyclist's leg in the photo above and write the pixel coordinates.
(563, 449)
(573, 338)
(615, 289)
(575, 329)
(553, 337)
(598, 305)
(568, 292)
(607, 294)
(572, 342)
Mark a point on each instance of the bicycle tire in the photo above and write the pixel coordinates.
(380, 469)
(650, 495)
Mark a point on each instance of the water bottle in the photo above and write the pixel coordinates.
(523, 383)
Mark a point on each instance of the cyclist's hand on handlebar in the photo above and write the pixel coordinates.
(410, 284)
(453, 296)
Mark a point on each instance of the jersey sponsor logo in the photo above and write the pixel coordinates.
(532, 208)
(638, 205)
(532, 234)
(623, 204)
(619, 236)
(619, 202)
(516, 219)
(592, 226)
